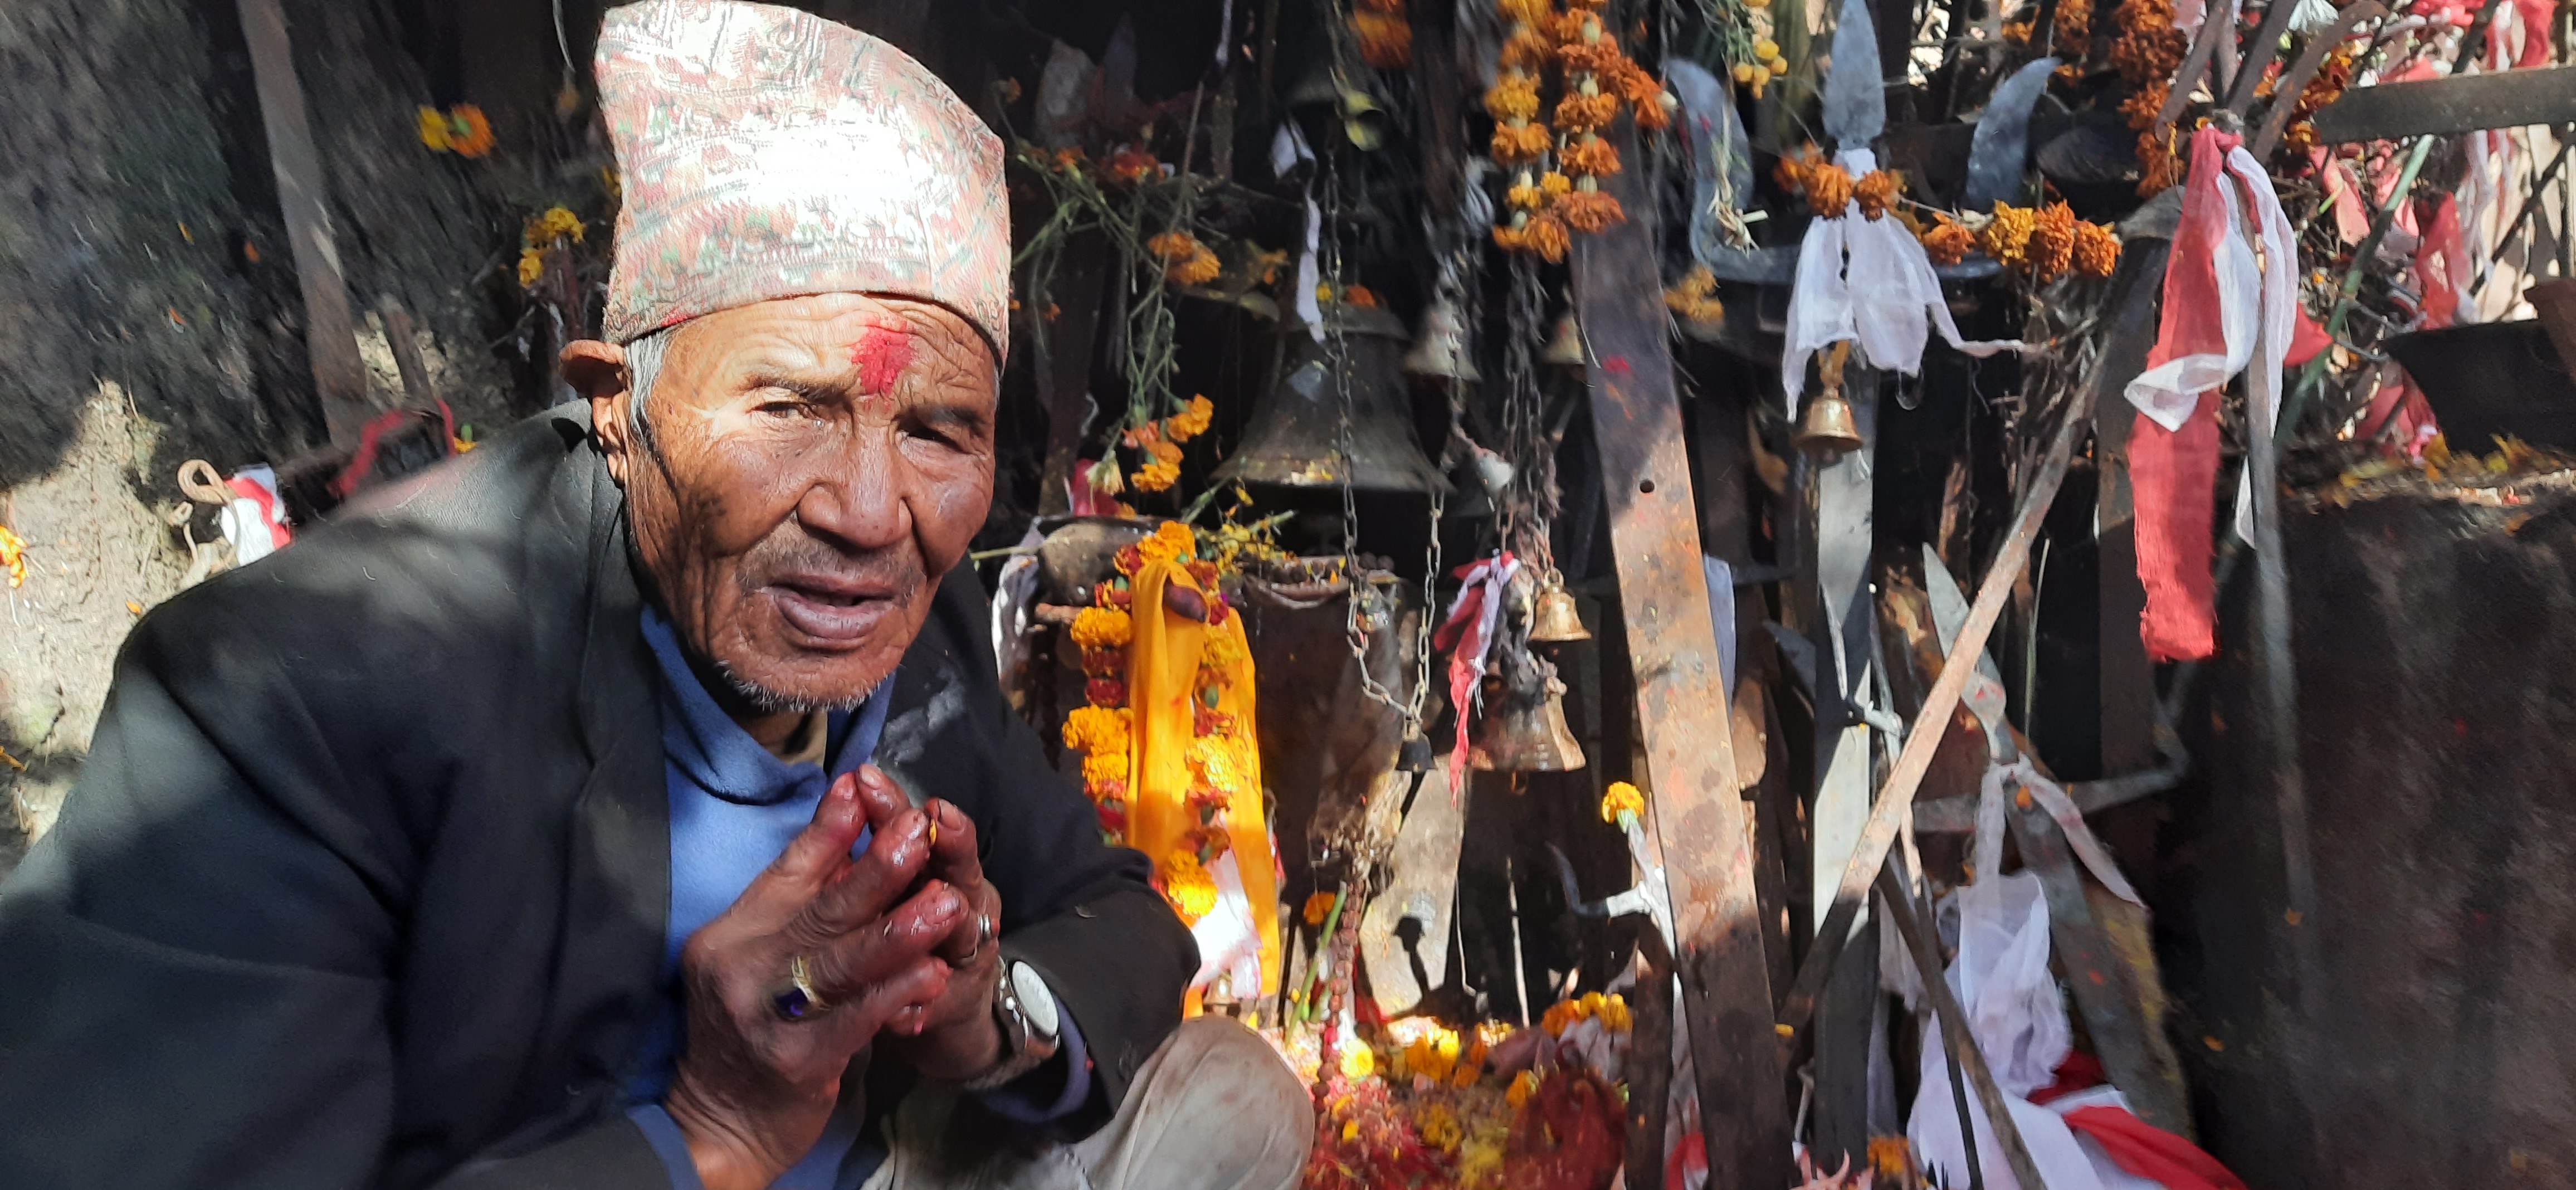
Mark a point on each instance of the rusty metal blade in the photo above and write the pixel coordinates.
(2440, 107)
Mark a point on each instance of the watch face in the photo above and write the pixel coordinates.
(1037, 1004)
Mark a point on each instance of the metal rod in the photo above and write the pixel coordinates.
(2267, 42)
(1957, 1042)
(1896, 797)
(2285, 98)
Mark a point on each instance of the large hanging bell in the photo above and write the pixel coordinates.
(1565, 347)
(1827, 431)
(1525, 735)
(1441, 353)
(1554, 618)
(1296, 438)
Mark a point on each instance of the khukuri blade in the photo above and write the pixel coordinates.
(2439, 107)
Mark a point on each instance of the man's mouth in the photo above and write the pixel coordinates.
(832, 611)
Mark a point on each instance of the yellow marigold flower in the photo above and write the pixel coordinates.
(1765, 49)
(1098, 729)
(1524, 1085)
(1169, 540)
(2007, 237)
(433, 129)
(1554, 183)
(1615, 1016)
(1439, 1126)
(13, 554)
(1524, 196)
(1622, 798)
(1214, 761)
(532, 265)
(1102, 628)
(1513, 97)
(1098, 767)
(1154, 477)
(1187, 885)
(1192, 421)
(1218, 650)
(556, 221)
(1358, 1061)
(1318, 907)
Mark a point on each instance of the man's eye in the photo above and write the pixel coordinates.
(785, 407)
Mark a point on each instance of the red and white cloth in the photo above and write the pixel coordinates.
(2225, 311)
(1468, 633)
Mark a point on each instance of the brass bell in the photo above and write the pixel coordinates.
(1295, 437)
(1554, 618)
(1827, 431)
(1526, 734)
(1565, 347)
(1441, 352)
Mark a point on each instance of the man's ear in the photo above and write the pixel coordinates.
(598, 370)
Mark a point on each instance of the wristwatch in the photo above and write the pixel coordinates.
(1026, 1011)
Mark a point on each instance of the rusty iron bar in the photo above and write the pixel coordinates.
(2267, 42)
(1896, 795)
(1699, 815)
(2188, 77)
(330, 333)
(1956, 1039)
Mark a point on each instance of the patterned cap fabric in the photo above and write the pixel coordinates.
(766, 153)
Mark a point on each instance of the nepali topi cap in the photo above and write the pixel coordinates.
(767, 153)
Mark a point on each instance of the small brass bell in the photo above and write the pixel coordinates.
(1526, 734)
(1827, 431)
(1565, 348)
(1554, 618)
(1441, 352)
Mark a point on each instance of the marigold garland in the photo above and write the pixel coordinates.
(2007, 235)
(1187, 885)
(1876, 192)
(1948, 240)
(1598, 79)
(1590, 210)
(2097, 250)
(2052, 241)
(1829, 189)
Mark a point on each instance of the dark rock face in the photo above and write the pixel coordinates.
(2437, 688)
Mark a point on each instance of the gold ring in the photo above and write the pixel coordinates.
(799, 1002)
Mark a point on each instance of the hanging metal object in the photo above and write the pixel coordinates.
(1525, 734)
(1565, 347)
(1828, 431)
(1441, 353)
(1553, 617)
(1295, 437)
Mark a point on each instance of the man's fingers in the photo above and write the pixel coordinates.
(883, 799)
(976, 928)
(891, 1002)
(953, 845)
(848, 966)
(874, 880)
(817, 851)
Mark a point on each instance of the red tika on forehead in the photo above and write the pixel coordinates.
(882, 353)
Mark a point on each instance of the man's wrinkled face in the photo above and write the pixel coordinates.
(808, 468)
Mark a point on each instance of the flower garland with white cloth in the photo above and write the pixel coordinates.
(1869, 280)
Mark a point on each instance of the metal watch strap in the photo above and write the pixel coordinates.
(1021, 1052)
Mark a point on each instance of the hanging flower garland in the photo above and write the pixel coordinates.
(1598, 80)
(1768, 63)
(2043, 243)
(1385, 34)
(2146, 52)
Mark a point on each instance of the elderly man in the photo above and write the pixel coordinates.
(631, 803)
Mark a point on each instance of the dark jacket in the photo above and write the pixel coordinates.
(365, 878)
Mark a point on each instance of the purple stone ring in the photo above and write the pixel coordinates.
(799, 1002)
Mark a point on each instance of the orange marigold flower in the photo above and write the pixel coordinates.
(1102, 628)
(1547, 238)
(1192, 421)
(1791, 171)
(1527, 49)
(1525, 196)
(1164, 452)
(1173, 245)
(1876, 192)
(1131, 164)
(1101, 768)
(1201, 268)
(1592, 155)
(1515, 143)
(1589, 210)
(2159, 173)
(1578, 112)
(1599, 57)
(2052, 241)
(1514, 96)
(1318, 907)
(1829, 189)
(1948, 241)
(1186, 885)
(1554, 183)
(1386, 39)
(2097, 250)
(469, 131)
(1154, 477)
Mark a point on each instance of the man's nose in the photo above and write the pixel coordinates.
(859, 498)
